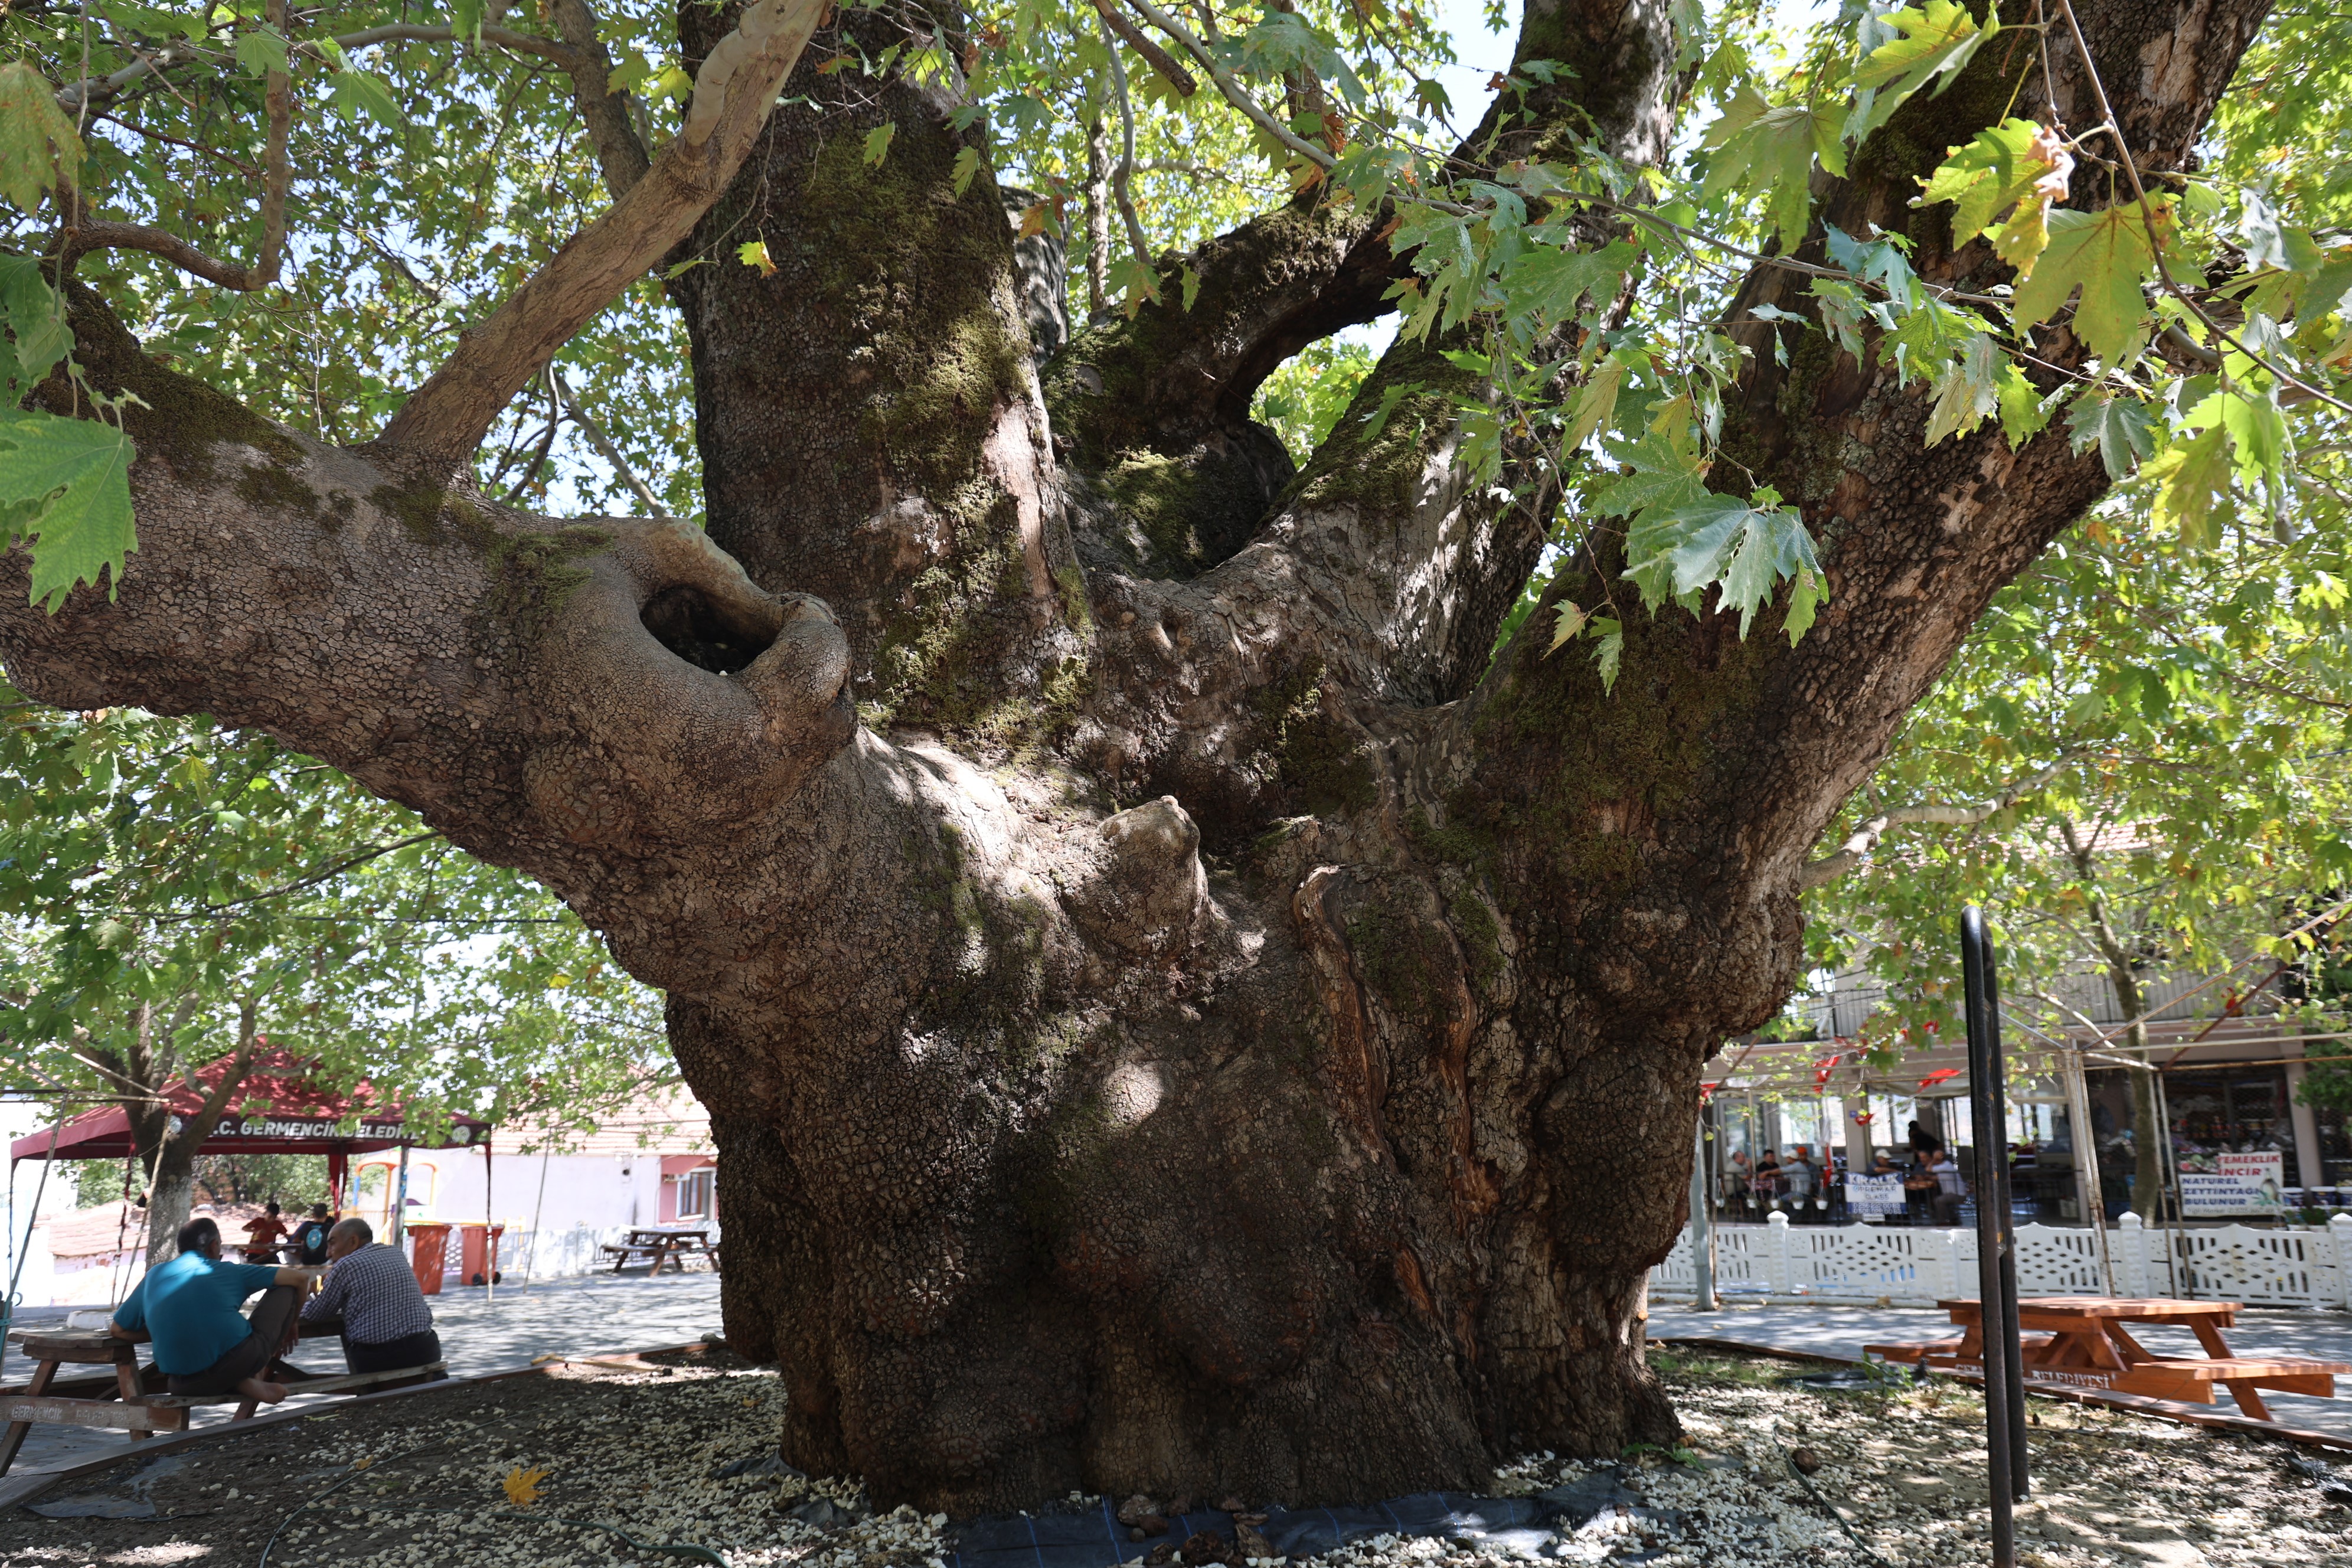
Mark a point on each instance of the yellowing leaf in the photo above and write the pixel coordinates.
(1597, 403)
(2196, 477)
(1966, 393)
(2108, 255)
(754, 253)
(522, 1485)
(1570, 622)
(1937, 42)
(38, 143)
(1989, 175)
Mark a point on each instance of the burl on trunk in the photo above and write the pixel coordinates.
(1176, 1017)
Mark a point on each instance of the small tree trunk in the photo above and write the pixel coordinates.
(171, 1194)
(1098, 211)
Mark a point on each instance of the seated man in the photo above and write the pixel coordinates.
(188, 1306)
(370, 1288)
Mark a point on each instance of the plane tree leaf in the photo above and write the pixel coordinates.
(65, 487)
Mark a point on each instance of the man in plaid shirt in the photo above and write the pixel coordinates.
(386, 1322)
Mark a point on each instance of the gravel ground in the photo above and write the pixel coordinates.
(420, 1482)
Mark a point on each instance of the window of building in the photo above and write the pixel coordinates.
(695, 1193)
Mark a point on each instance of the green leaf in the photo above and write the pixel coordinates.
(1938, 42)
(38, 143)
(466, 16)
(2022, 412)
(1390, 396)
(2108, 254)
(754, 253)
(1717, 540)
(1608, 651)
(966, 165)
(360, 95)
(2257, 434)
(67, 488)
(261, 52)
(35, 319)
(2196, 480)
(1548, 281)
(877, 141)
(2123, 429)
(1664, 474)
(1191, 281)
(1759, 146)
(1804, 602)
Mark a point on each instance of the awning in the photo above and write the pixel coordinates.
(277, 1112)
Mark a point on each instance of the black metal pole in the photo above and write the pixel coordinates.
(1992, 1320)
(2013, 1342)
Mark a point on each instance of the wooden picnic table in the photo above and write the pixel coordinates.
(2082, 1341)
(131, 1397)
(662, 1245)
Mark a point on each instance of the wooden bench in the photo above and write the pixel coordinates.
(2191, 1379)
(139, 1403)
(179, 1404)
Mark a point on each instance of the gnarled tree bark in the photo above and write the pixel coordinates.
(1176, 1018)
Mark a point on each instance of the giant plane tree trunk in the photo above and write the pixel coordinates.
(1175, 1019)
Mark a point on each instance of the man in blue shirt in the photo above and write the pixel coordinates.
(188, 1306)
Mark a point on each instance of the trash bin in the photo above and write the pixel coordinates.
(479, 1247)
(428, 1252)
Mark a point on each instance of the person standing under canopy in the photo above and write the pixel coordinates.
(188, 1307)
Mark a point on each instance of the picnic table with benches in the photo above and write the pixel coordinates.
(2081, 1342)
(133, 1397)
(661, 1246)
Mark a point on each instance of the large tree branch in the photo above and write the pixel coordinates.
(620, 156)
(1865, 838)
(539, 688)
(1381, 577)
(445, 419)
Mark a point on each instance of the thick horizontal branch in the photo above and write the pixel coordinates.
(446, 418)
(1865, 839)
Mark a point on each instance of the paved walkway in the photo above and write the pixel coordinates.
(575, 1316)
(1844, 1330)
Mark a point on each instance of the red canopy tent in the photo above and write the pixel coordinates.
(277, 1110)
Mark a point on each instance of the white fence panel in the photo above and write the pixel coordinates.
(1918, 1266)
(2059, 1260)
(1867, 1262)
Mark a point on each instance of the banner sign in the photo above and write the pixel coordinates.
(2227, 1183)
(1874, 1195)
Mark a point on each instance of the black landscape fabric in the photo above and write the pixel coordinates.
(1096, 1539)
